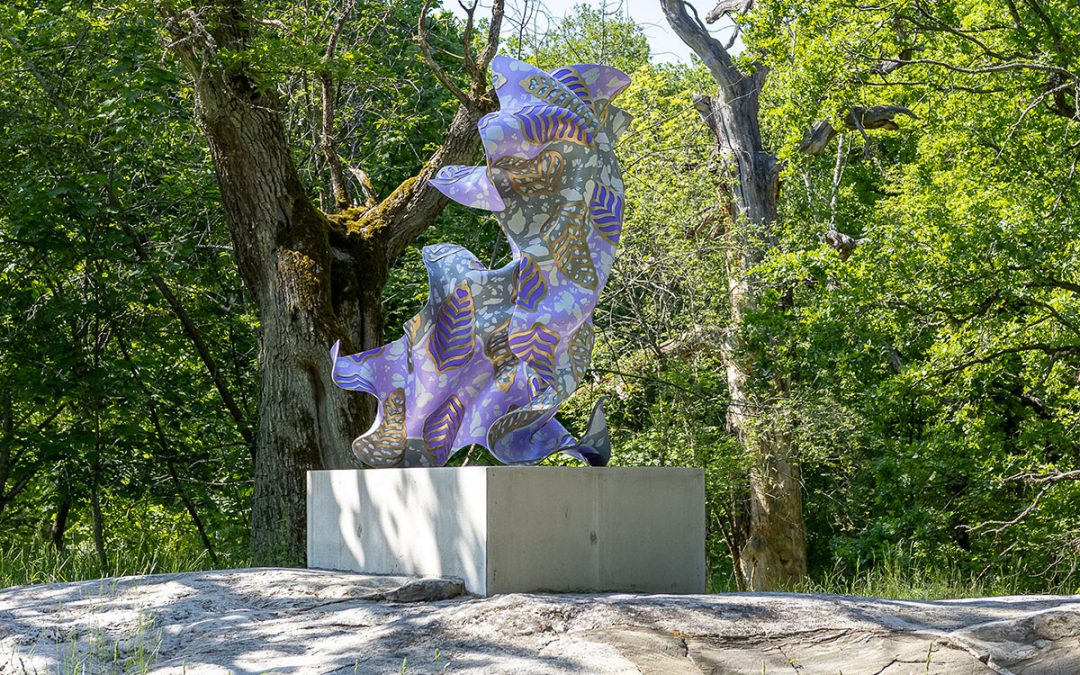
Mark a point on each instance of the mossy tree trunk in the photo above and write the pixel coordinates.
(315, 278)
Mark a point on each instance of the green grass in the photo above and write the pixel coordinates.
(895, 576)
(891, 579)
(899, 575)
(133, 653)
(40, 563)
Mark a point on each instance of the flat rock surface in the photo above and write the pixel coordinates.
(310, 621)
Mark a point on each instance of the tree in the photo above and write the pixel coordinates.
(101, 243)
(773, 550)
(584, 35)
(947, 341)
(315, 278)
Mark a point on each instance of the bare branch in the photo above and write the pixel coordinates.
(1003, 525)
(429, 58)
(691, 31)
(1024, 113)
(858, 118)
(273, 23)
(734, 36)
(414, 204)
(844, 244)
(1043, 478)
(339, 28)
(889, 66)
(466, 40)
(1048, 481)
(725, 7)
(370, 198)
(327, 137)
(492, 45)
(993, 68)
(704, 106)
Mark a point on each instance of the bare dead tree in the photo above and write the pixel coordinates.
(772, 549)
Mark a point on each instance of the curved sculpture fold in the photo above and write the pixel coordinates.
(494, 353)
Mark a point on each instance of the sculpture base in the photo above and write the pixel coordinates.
(515, 529)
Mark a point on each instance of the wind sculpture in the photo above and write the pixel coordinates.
(494, 353)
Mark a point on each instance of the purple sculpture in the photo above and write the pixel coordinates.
(495, 352)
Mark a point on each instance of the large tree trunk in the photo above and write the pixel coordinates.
(315, 279)
(773, 554)
(282, 246)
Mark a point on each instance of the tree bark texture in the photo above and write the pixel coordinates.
(315, 278)
(59, 525)
(773, 552)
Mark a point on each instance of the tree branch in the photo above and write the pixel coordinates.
(994, 68)
(725, 7)
(327, 137)
(691, 31)
(429, 58)
(414, 204)
(491, 47)
(1048, 481)
(858, 118)
(1049, 350)
(1056, 283)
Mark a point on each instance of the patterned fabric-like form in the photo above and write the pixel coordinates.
(495, 352)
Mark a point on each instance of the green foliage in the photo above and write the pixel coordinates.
(391, 111)
(170, 548)
(896, 573)
(586, 34)
(103, 397)
(931, 370)
(940, 361)
(98, 138)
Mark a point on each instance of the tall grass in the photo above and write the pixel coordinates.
(40, 563)
(892, 575)
(899, 574)
(891, 578)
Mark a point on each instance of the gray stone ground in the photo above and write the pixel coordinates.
(308, 621)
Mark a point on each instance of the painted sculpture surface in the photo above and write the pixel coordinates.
(494, 352)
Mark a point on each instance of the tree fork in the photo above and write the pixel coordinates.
(315, 278)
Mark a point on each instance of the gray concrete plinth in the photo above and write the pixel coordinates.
(515, 529)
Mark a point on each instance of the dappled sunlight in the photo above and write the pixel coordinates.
(411, 521)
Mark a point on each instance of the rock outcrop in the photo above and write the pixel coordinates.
(309, 621)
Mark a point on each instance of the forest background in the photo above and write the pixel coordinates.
(914, 338)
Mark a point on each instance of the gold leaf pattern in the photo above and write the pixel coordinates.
(412, 332)
(534, 177)
(581, 351)
(385, 446)
(565, 234)
(553, 92)
(511, 421)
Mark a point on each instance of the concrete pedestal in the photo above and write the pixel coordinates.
(515, 529)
